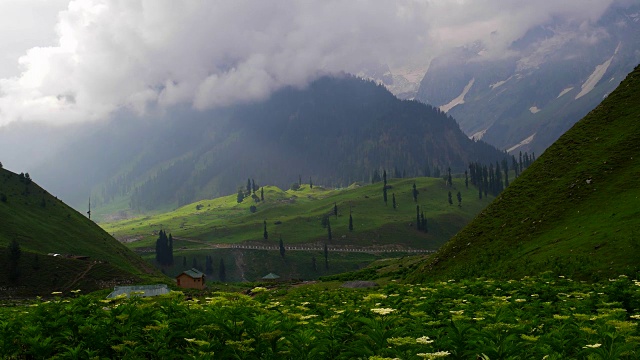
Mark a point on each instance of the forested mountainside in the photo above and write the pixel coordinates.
(336, 131)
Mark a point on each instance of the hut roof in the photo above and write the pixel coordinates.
(194, 273)
(270, 276)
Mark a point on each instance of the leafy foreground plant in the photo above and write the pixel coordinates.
(543, 317)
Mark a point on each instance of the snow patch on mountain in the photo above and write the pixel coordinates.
(478, 135)
(521, 143)
(458, 100)
(499, 83)
(597, 75)
(534, 109)
(564, 91)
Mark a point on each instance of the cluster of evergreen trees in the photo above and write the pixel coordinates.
(251, 190)
(493, 179)
(164, 249)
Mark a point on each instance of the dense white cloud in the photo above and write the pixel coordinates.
(105, 55)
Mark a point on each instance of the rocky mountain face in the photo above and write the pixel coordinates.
(547, 80)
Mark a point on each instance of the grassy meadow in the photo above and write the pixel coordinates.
(544, 317)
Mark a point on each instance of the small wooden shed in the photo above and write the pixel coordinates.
(191, 279)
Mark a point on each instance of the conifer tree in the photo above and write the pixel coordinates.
(375, 177)
(208, 265)
(459, 195)
(350, 221)
(326, 257)
(240, 196)
(466, 179)
(521, 162)
(450, 199)
(265, 234)
(253, 186)
(449, 179)
(384, 178)
(384, 194)
(415, 193)
(393, 200)
(261, 194)
(281, 248)
(249, 186)
(170, 254)
(222, 272)
(335, 210)
(423, 223)
(418, 223)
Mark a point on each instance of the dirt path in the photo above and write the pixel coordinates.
(79, 277)
(239, 256)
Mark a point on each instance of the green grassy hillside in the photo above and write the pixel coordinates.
(209, 226)
(575, 211)
(42, 224)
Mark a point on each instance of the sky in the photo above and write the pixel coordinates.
(67, 61)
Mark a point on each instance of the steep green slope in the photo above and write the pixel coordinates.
(42, 224)
(575, 211)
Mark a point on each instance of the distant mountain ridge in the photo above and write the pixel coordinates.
(336, 131)
(549, 79)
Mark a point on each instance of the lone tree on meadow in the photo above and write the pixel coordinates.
(415, 193)
(281, 248)
(335, 210)
(450, 198)
(240, 196)
(261, 194)
(384, 194)
(350, 221)
(265, 234)
(459, 195)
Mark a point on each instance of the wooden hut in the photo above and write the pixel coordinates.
(191, 279)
